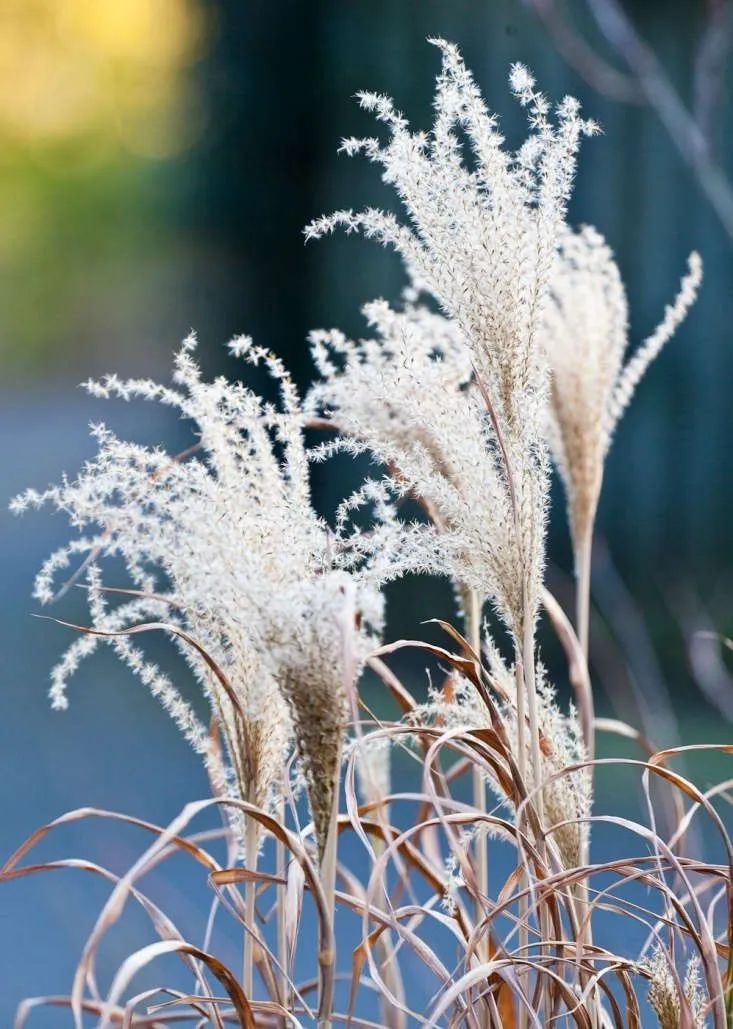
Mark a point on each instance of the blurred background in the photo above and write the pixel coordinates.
(158, 160)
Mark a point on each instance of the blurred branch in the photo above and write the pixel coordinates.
(628, 625)
(712, 54)
(618, 29)
(654, 86)
(703, 644)
(581, 56)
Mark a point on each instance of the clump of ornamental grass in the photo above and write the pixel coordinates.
(482, 240)
(225, 553)
(509, 345)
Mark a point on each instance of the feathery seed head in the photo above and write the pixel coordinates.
(585, 333)
(224, 546)
(666, 994)
(482, 240)
(406, 396)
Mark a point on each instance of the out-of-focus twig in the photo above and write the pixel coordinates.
(647, 81)
(704, 653)
(581, 56)
(710, 63)
(654, 704)
(683, 130)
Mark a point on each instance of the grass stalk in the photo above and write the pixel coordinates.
(583, 554)
(583, 562)
(327, 957)
(522, 1014)
(472, 626)
(282, 943)
(251, 841)
(390, 1015)
(472, 619)
(530, 690)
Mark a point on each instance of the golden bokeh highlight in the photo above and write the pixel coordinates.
(101, 68)
(95, 95)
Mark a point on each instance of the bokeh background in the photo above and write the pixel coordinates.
(158, 160)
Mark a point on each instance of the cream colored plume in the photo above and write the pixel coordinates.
(585, 332)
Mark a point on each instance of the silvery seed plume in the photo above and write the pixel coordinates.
(568, 798)
(664, 991)
(225, 546)
(406, 396)
(585, 331)
(482, 240)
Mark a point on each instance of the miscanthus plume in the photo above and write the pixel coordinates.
(223, 548)
(481, 238)
(676, 1004)
(585, 331)
(406, 397)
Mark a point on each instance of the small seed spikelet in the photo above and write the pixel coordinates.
(585, 332)
(566, 799)
(482, 240)
(664, 991)
(224, 546)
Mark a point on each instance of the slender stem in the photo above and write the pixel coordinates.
(472, 620)
(523, 1016)
(472, 626)
(481, 849)
(583, 553)
(580, 680)
(532, 710)
(327, 957)
(583, 561)
(250, 889)
(391, 1015)
(282, 943)
(521, 715)
(530, 687)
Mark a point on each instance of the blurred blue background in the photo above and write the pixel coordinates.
(158, 160)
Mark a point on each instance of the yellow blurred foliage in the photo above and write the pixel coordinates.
(70, 69)
(93, 93)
